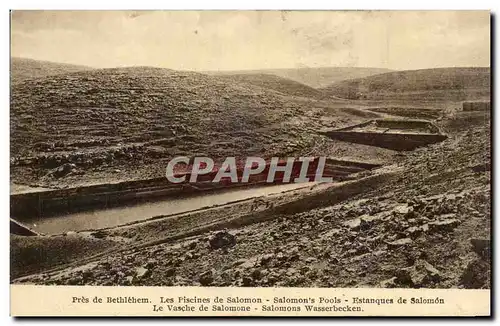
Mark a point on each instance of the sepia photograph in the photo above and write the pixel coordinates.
(256, 149)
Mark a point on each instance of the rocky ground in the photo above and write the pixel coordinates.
(428, 227)
(268, 81)
(22, 69)
(453, 83)
(121, 124)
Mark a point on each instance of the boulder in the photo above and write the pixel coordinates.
(222, 239)
(206, 278)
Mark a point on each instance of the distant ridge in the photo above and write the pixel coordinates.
(447, 82)
(313, 77)
(23, 68)
(272, 82)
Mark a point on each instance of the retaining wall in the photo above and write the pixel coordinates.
(476, 106)
(400, 135)
(398, 142)
(60, 201)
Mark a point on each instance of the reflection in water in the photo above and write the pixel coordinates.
(110, 217)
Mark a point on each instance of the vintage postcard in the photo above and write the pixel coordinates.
(250, 163)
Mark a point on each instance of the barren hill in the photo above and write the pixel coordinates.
(454, 83)
(313, 77)
(107, 121)
(273, 82)
(22, 68)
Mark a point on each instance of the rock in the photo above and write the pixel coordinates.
(99, 234)
(375, 239)
(142, 272)
(290, 272)
(389, 283)
(239, 262)
(419, 275)
(431, 270)
(451, 197)
(369, 220)
(87, 275)
(403, 209)
(170, 272)
(399, 243)
(481, 167)
(481, 247)
(206, 278)
(76, 280)
(476, 275)
(256, 274)
(294, 254)
(280, 257)
(264, 260)
(447, 216)
(362, 249)
(332, 232)
(414, 231)
(247, 281)
(63, 170)
(105, 265)
(353, 224)
(361, 257)
(222, 239)
(444, 225)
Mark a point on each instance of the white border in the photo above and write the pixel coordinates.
(257, 4)
(178, 5)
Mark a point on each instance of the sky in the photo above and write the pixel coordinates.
(240, 40)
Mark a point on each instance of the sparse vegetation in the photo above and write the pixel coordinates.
(22, 69)
(418, 228)
(313, 77)
(136, 119)
(273, 82)
(451, 83)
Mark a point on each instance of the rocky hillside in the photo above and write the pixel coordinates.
(313, 77)
(135, 119)
(22, 69)
(273, 82)
(452, 83)
(428, 227)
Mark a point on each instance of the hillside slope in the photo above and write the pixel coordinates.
(415, 230)
(22, 69)
(273, 82)
(313, 77)
(441, 82)
(98, 124)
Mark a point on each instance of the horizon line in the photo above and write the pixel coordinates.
(241, 69)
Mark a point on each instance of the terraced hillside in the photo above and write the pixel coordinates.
(425, 224)
(126, 123)
(22, 69)
(448, 83)
(313, 77)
